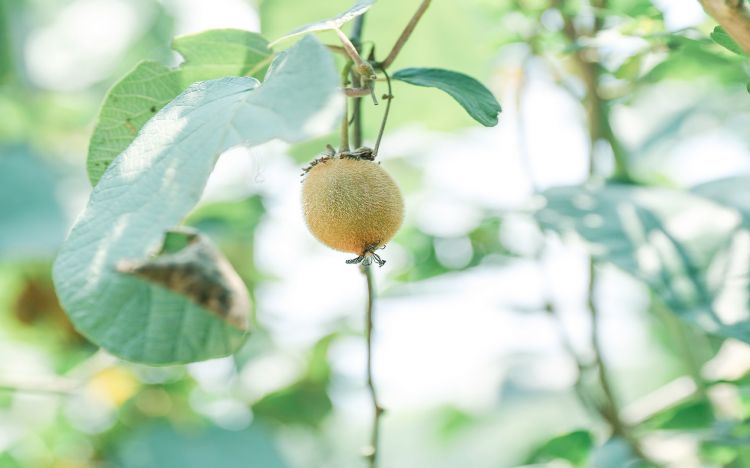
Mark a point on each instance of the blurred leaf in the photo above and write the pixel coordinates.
(696, 58)
(632, 8)
(306, 401)
(359, 8)
(473, 96)
(720, 36)
(150, 86)
(453, 420)
(720, 454)
(616, 452)
(228, 220)
(630, 69)
(150, 188)
(33, 222)
(686, 415)
(484, 239)
(574, 447)
(160, 445)
(660, 237)
(732, 192)
(7, 67)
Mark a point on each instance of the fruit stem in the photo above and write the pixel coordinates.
(388, 98)
(371, 452)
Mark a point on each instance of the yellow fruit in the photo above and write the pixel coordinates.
(351, 205)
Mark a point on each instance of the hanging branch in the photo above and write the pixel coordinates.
(597, 108)
(733, 16)
(405, 34)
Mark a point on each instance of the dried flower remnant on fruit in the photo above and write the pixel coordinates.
(351, 204)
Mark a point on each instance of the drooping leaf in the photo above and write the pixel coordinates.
(721, 37)
(574, 447)
(190, 265)
(359, 8)
(152, 186)
(662, 237)
(140, 94)
(473, 96)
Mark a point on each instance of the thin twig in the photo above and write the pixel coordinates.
(371, 452)
(611, 410)
(356, 38)
(404, 35)
(582, 367)
(597, 108)
(344, 143)
(388, 98)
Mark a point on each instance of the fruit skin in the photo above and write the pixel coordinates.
(351, 205)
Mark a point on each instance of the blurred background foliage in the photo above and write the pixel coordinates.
(535, 308)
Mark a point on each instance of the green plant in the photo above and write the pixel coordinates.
(127, 278)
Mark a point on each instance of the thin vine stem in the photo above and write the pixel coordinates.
(371, 451)
(388, 98)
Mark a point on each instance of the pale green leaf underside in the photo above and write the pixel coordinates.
(473, 96)
(150, 86)
(153, 185)
(359, 8)
(693, 253)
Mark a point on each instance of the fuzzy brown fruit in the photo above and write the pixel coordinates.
(351, 205)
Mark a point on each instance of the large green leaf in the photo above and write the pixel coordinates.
(473, 96)
(693, 253)
(150, 86)
(152, 186)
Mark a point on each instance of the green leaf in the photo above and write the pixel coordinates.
(359, 8)
(574, 447)
(140, 94)
(196, 447)
(306, 401)
(661, 237)
(617, 452)
(721, 37)
(153, 185)
(473, 96)
(686, 415)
